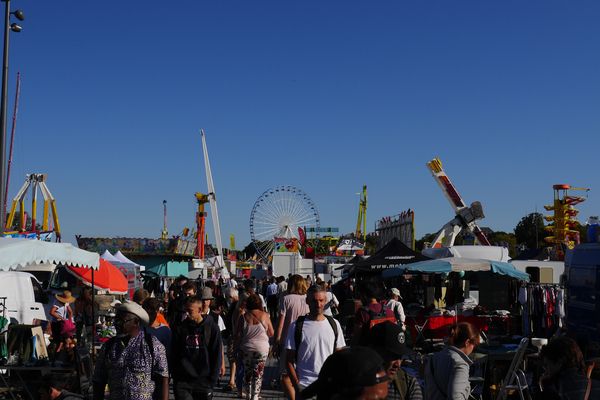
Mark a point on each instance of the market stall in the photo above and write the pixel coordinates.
(445, 292)
(452, 290)
(27, 353)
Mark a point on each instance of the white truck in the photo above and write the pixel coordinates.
(23, 296)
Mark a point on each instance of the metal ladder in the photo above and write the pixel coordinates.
(515, 377)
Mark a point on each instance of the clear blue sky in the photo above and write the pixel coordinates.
(323, 95)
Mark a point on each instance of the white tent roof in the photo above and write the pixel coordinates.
(21, 252)
(121, 258)
(109, 257)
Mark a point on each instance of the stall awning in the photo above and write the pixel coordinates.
(20, 252)
(392, 255)
(450, 264)
(107, 277)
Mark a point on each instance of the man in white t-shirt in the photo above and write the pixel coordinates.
(317, 337)
(395, 305)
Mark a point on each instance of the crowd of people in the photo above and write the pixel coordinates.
(204, 329)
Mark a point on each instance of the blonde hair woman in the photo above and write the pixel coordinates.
(292, 306)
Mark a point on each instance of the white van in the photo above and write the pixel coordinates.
(24, 297)
(43, 272)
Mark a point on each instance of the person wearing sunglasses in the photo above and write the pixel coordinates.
(133, 363)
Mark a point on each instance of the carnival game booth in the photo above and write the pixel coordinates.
(26, 358)
(440, 293)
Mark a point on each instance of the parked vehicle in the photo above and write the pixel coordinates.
(582, 267)
(24, 297)
(43, 273)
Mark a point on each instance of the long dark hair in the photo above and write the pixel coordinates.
(564, 351)
(462, 332)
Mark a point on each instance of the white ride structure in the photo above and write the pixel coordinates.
(281, 213)
(212, 198)
(466, 216)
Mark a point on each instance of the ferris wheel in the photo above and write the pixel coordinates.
(278, 213)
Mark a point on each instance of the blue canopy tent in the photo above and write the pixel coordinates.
(457, 264)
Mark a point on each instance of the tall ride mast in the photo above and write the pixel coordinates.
(213, 206)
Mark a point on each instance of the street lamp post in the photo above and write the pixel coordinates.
(3, 104)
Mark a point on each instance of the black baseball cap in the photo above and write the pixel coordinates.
(351, 368)
(389, 340)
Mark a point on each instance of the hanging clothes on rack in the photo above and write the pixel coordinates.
(559, 311)
(524, 306)
(542, 309)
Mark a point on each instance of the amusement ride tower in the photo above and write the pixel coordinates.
(563, 222)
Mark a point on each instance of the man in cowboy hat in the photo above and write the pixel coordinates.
(133, 363)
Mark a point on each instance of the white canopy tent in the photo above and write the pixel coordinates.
(121, 258)
(109, 257)
(20, 252)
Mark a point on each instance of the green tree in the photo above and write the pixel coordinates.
(582, 231)
(506, 239)
(530, 231)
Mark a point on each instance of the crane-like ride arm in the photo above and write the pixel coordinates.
(466, 216)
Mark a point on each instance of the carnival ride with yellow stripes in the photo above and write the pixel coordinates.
(23, 229)
(563, 222)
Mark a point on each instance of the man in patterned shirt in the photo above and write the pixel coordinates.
(131, 362)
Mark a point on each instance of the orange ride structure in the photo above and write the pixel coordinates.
(563, 223)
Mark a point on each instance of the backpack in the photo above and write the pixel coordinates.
(300, 324)
(378, 318)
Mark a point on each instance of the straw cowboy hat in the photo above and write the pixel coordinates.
(135, 309)
(66, 297)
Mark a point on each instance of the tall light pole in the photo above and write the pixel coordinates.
(3, 103)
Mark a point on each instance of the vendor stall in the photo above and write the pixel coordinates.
(27, 353)
(445, 300)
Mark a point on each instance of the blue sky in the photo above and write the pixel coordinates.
(323, 95)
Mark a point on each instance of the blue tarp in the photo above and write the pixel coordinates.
(504, 268)
(447, 265)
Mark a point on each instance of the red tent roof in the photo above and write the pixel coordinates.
(107, 277)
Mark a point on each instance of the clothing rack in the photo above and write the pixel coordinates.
(542, 306)
(544, 285)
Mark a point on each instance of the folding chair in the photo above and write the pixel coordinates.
(515, 377)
